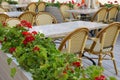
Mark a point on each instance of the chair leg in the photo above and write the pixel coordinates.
(114, 63)
(100, 59)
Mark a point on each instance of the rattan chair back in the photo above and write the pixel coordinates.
(2, 9)
(12, 22)
(31, 7)
(63, 9)
(44, 18)
(5, 5)
(75, 41)
(28, 16)
(3, 17)
(100, 15)
(112, 14)
(103, 44)
(41, 6)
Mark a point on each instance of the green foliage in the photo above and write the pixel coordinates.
(9, 60)
(13, 72)
(38, 55)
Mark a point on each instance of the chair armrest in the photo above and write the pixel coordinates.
(93, 39)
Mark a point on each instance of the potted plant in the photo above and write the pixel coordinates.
(38, 55)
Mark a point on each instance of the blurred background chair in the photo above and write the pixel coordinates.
(41, 6)
(28, 16)
(3, 17)
(100, 15)
(31, 7)
(6, 6)
(75, 42)
(2, 9)
(43, 18)
(112, 14)
(103, 44)
(12, 22)
(66, 15)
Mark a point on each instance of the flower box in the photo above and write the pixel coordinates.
(5, 69)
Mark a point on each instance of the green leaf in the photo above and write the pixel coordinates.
(9, 60)
(112, 78)
(13, 72)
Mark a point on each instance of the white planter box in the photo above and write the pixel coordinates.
(5, 69)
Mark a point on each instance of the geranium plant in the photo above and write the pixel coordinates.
(38, 55)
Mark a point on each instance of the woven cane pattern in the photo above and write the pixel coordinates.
(28, 16)
(112, 14)
(32, 7)
(44, 18)
(12, 22)
(41, 6)
(3, 17)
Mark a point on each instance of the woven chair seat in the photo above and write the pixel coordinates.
(96, 49)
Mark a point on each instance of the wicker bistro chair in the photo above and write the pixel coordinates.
(100, 15)
(6, 6)
(12, 22)
(66, 15)
(2, 9)
(75, 42)
(44, 18)
(28, 16)
(112, 14)
(31, 7)
(41, 6)
(103, 44)
(3, 17)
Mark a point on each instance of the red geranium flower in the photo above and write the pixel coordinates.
(77, 64)
(34, 32)
(26, 24)
(25, 33)
(12, 49)
(36, 48)
(28, 39)
(78, 4)
(73, 2)
(101, 77)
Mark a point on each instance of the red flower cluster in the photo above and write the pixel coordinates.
(101, 77)
(12, 49)
(34, 32)
(36, 48)
(78, 4)
(26, 33)
(76, 64)
(28, 39)
(25, 23)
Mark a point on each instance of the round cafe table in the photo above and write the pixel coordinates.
(13, 14)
